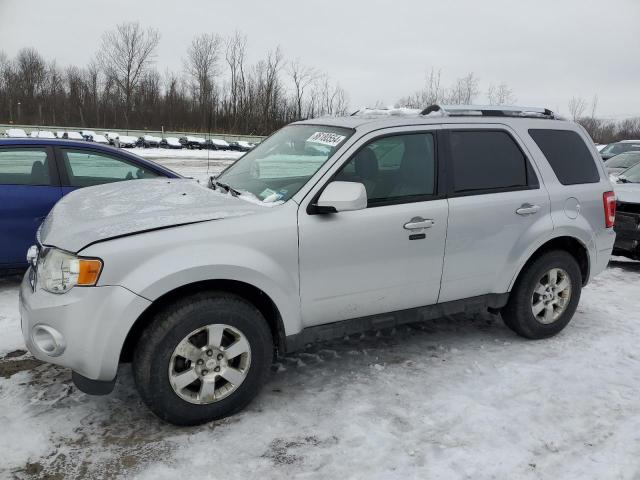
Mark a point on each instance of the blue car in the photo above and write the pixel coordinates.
(36, 173)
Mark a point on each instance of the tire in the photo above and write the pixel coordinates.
(155, 359)
(518, 314)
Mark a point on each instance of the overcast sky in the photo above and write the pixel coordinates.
(546, 50)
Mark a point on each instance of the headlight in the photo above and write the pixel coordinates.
(60, 271)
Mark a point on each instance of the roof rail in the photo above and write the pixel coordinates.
(489, 111)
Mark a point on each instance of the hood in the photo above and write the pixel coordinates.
(117, 209)
(627, 192)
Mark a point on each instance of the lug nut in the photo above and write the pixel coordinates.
(217, 369)
(210, 352)
(200, 361)
(204, 372)
(220, 356)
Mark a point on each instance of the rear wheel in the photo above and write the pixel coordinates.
(202, 358)
(545, 296)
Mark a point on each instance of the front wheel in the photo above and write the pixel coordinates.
(202, 358)
(545, 296)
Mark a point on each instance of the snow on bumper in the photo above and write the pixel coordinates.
(83, 329)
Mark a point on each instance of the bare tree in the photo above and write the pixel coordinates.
(594, 105)
(577, 106)
(500, 95)
(464, 91)
(431, 94)
(303, 77)
(201, 63)
(235, 56)
(125, 54)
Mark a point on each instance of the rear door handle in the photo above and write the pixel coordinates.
(528, 209)
(417, 223)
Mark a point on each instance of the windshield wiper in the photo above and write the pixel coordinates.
(228, 188)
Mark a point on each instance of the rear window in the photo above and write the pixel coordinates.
(567, 154)
(486, 161)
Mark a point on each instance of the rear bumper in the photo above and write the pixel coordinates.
(85, 328)
(627, 227)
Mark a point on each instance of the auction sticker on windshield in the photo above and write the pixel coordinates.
(326, 138)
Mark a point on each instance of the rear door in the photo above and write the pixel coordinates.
(82, 167)
(497, 208)
(29, 188)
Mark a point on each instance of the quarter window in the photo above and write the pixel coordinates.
(394, 168)
(486, 161)
(85, 168)
(24, 167)
(567, 154)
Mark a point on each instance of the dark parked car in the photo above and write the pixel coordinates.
(148, 141)
(192, 142)
(36, 173)
(627, 223)
(216, 144)
(617, 148)
(240, 146)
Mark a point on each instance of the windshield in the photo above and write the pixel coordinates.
(632, 175)
(279, 166)
(616, 148)
(624, 160)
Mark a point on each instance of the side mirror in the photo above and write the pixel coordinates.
(342, 197)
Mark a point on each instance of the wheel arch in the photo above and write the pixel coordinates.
(254, 295)
(568, 243)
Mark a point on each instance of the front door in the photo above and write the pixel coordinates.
(28, 190)
(384, 258)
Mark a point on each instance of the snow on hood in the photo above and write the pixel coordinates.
(627, 192)
(112, 210)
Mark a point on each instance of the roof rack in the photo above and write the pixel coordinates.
(489, 111)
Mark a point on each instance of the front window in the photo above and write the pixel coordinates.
(279, 166)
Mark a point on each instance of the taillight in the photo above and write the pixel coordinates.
(609, 200)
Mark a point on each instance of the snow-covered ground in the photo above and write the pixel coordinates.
(458, 397)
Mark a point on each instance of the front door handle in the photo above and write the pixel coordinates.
(417, 223)
(528, 209)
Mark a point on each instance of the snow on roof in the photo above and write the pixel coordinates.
(173, 141)
(128, 139)
(43, 134)
(195, 139)
(74, 136)
(16, 133)
(151, 138)
(217, 141)
(100, 138)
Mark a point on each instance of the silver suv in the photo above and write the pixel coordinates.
(327, 228)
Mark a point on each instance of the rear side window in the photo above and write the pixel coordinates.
(24, 166)
(567, 154)
(486, 161)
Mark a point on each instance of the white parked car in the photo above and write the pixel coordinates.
(171, 142)
(127, 141)
(74, 136)
(100, 139)
(42, 134)
(15, 133)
